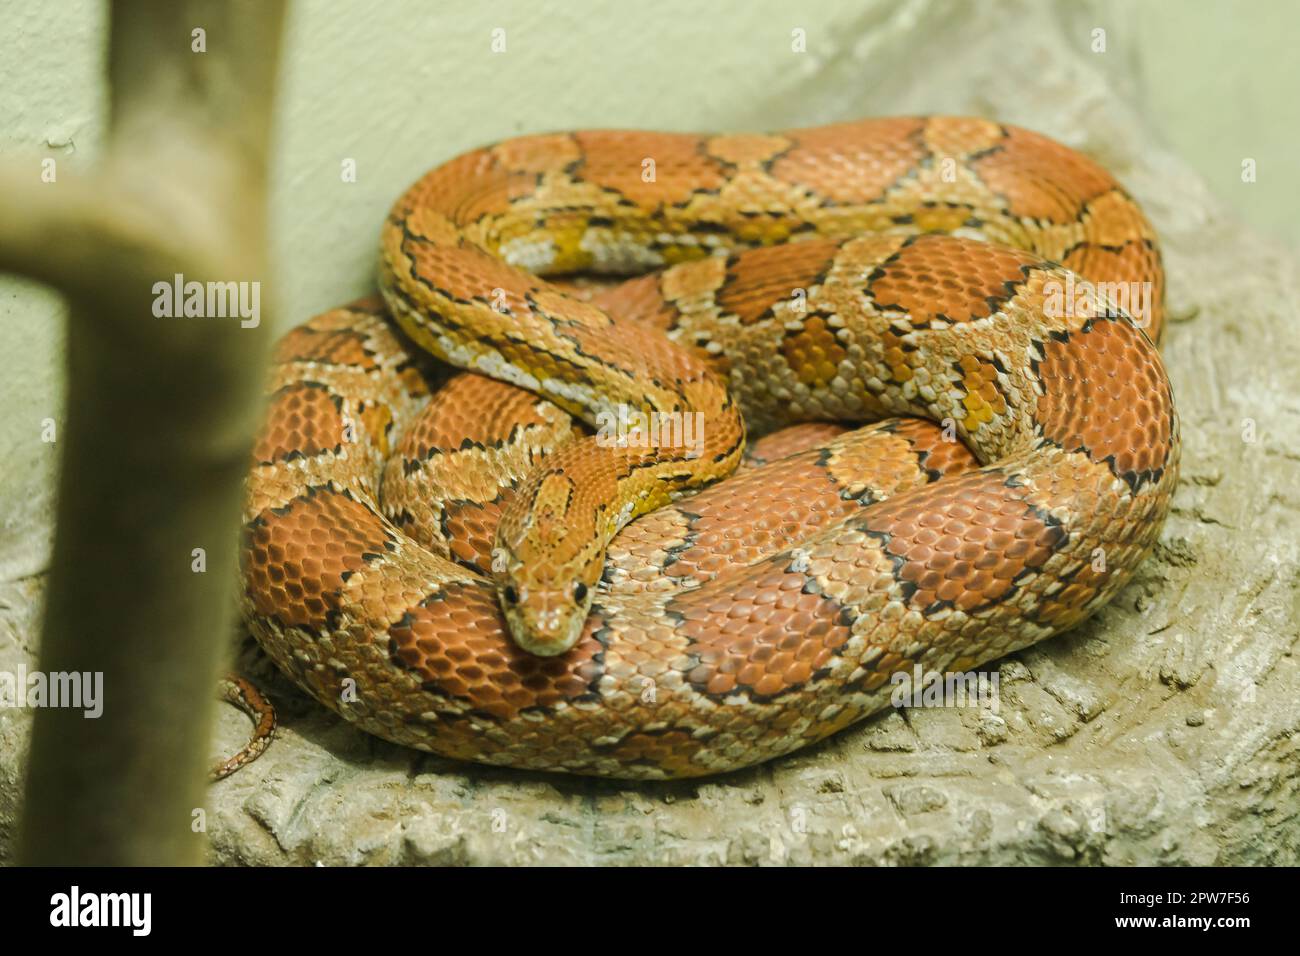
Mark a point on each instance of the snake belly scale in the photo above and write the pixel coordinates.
(456, 562)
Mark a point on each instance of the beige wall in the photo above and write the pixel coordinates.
(1221, 79)
(51, 105)
(399, 86)
(409, 84)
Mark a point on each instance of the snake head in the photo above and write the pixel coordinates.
(545, 572)
(548, 557)
(544, 619)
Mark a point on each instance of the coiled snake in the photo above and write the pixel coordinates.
(976, 291)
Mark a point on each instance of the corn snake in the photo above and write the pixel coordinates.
(896, 271)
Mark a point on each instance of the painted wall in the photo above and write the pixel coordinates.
(51, 105)
(396, 87)
(1221, 79)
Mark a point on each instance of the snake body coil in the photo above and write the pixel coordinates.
(960, 284)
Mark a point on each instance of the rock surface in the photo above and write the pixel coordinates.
(1163, 731)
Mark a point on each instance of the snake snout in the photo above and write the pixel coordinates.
(545, 621)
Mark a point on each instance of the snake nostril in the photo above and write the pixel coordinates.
(580, 592)
(510, 594)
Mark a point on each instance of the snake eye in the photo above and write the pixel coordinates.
(510, 594)
(580, 592)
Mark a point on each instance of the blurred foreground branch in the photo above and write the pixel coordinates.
(160, 416)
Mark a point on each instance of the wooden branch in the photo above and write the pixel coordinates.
(160, 419)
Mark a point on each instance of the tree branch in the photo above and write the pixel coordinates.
(161, 413)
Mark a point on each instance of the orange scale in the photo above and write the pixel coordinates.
(720, 684)
(1007, 570)
(780, 662)
(949, 591)
(958, 570)
(918, 548)
(788, 600)
(796, 674)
